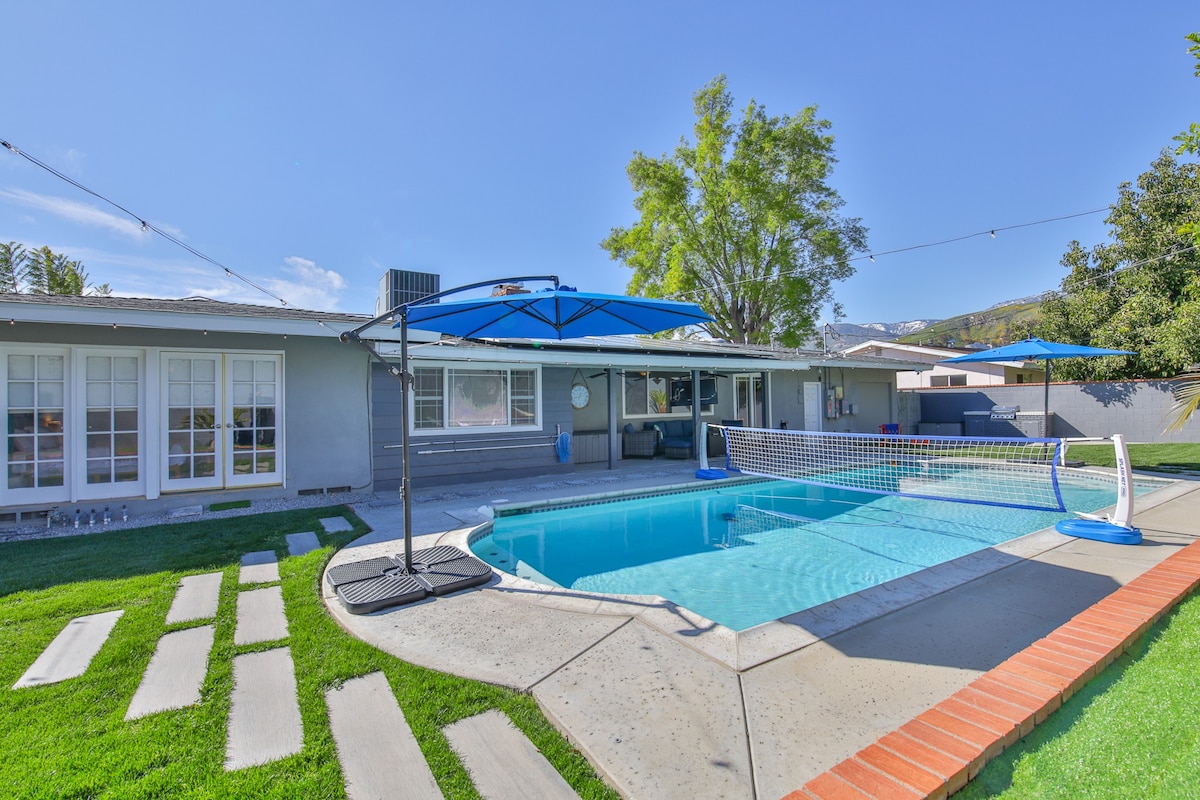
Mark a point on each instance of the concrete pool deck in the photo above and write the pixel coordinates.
(667, 705)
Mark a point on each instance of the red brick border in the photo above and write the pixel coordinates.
(935, 754)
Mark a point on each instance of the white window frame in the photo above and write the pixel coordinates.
(446, 367)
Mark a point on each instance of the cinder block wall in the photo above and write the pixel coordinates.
(1137, 409)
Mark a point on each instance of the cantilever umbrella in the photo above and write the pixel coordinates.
(557, 313)
(1033, 350)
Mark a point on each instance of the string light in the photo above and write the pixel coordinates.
(146, 226)
(871, 257)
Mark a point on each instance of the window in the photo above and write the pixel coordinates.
(947, 380)
(453, 398)
(648, 394)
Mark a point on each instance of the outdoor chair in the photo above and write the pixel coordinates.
(638, 444)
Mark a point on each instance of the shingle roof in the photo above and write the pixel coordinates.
(189, 305)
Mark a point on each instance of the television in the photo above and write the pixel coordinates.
(681, 391)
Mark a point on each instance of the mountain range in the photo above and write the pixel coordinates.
(994, 325)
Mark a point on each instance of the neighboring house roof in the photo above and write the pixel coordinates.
(925, 350)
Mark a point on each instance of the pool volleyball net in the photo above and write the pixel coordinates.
(1011, 472)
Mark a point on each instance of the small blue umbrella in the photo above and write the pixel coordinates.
(1037, 349)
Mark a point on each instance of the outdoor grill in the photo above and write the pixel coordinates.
(1005, 412)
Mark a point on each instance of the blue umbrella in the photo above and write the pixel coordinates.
(557, 313)
(1035, 349)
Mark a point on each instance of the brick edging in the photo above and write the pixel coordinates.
(935, 754)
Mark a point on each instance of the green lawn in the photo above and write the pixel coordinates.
(1133, 732)
(1159, 457)
(71, 740)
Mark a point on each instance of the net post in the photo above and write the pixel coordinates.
(1123, 514)
(704, 445)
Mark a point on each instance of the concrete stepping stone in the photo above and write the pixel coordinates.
(376, 748)
(196, 598)
(69, 655)
(175, 672)
(503, 764)
(259, 567)
(334, 524)
(264, 714)
(301, 543)
(260, 616)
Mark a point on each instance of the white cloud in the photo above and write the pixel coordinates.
(308, 285)
(75, 211)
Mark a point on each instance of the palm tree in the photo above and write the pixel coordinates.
(1186, 390)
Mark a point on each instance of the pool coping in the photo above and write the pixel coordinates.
(940, 750)
(760, 644)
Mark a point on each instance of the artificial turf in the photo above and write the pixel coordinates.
(1133, 732)
(70, 739)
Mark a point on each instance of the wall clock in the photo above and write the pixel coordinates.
(581, 395)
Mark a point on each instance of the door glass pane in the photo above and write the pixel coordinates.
(125, 368)
(204, 370)
(99, 395)
(20, 368)
(125, 394)
(179, 394)
(50, 393)
(20, 395)
(99, 368)
(179, 369)
(243, 369)
(50, 368)
(264, 371)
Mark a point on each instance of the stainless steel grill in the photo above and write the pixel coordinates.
(1005, 412)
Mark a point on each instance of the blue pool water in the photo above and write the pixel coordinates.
(749, 553)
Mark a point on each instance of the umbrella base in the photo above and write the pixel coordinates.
(372, 585)
(1099, 530)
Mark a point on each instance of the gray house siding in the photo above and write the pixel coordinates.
(326, 425)
(516, 454)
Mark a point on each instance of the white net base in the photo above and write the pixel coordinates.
(1018, 473)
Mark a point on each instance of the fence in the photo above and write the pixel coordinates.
(1137, 409)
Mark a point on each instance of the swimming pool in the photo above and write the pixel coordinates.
(746, 553)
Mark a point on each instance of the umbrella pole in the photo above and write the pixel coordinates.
(1046, 403)
(405, 483)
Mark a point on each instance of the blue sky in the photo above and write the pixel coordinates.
(311, 145)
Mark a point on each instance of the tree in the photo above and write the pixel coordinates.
(44, 272)
(742, 222)
(1140, 292)
(1189, 140)
(12, 266)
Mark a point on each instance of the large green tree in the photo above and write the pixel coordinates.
(742, 221)
(1139, 292)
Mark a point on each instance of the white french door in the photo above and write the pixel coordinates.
(221, 415)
